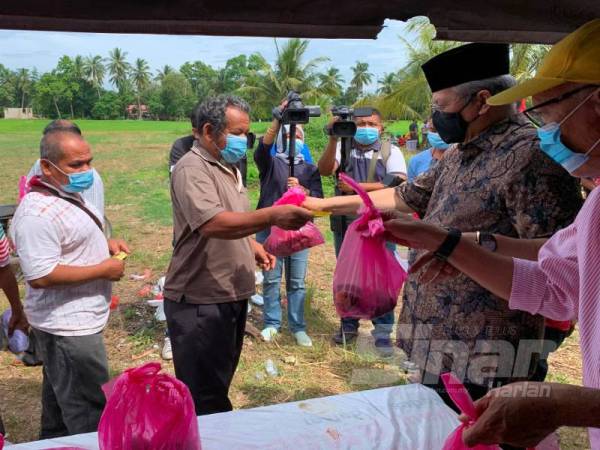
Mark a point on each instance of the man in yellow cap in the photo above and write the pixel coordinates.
(557, 278)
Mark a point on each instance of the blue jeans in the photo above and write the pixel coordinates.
(295, 273)
(383, 324)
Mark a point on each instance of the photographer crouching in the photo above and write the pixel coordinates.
(375, 164)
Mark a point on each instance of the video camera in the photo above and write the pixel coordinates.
(295, 111)
(345, 127)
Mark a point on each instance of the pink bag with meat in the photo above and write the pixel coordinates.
(283, 243)
(463, 401)
(148, 410)
(367, 278)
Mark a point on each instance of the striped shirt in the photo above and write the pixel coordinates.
(564, 285)
(4, 248)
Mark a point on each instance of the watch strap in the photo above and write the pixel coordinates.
(449, 244)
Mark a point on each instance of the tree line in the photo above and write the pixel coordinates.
(76, 87)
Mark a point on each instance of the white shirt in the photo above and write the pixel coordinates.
(48, 231)
(396, 164)
(93, 195)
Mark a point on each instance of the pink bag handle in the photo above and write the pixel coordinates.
(370, 217)
(459, 395)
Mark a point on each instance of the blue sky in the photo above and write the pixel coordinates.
(42, 49)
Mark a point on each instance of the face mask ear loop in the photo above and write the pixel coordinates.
(592, 147)
(57, 168)
(577, 107)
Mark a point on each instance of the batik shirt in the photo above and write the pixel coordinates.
(500, 182)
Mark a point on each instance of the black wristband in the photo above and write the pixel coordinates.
(449, 244)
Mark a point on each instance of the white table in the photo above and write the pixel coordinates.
(408, 417)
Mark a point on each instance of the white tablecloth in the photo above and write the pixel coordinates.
(404, 417)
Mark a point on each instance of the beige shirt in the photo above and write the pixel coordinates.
(207, 270)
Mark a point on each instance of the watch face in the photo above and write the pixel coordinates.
(488, 241)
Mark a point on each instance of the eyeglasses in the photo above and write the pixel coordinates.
(438, 108)
(535, 115)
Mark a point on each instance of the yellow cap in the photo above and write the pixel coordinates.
(575, 58)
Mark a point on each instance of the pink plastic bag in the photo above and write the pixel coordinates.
(283, 243)
(147, 410)
(462, 399)
(1, 441)
(367, 278)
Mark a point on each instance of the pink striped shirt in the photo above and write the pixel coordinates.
(564, 284)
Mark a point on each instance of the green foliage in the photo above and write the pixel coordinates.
(108, 106)
(176, 97)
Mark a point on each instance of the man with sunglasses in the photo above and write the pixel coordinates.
(495, 181)
(557, 278)
(211, 275)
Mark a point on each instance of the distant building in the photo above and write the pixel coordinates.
(132, 111)
(18, 113)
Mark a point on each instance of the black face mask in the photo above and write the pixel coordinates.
(451, 127)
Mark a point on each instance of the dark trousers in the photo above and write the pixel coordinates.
(75, 368)
(207, 343)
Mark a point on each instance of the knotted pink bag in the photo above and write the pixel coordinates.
(367, 278)
(282, 242)
(148, 410)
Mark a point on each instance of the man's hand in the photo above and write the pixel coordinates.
(289, 217)
(18, 320)
(116, 246)
(264, 260)
(112, 269)
(344, 187)
(510, 415)
(403, 229)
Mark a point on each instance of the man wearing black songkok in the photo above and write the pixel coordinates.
(495, 180)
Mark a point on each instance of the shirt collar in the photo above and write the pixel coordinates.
(229, 168)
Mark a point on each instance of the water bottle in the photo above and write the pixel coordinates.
(270, 368)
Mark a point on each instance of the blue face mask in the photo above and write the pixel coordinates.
(235, 148)
(366, 135)
(78, 181)
(552, 146)
(436, 141)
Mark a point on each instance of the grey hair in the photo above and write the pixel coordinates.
(212, 110)
(62, 125)
(494, 85)
(51, 144)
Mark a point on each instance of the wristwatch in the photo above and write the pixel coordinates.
(449, 244)
(487, 241)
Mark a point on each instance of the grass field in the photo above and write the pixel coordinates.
(132, 158)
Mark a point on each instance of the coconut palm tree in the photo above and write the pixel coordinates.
(118, 68)
(79, 68)
(140, 75)
(360, 76)
(23, 85)
(411, 96)
(162, 73)
(270, 84)
(93, 69)
(388, 83)
(525, 59)
(330, 82)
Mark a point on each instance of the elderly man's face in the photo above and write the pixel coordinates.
(580, 131)
(448, 101)
(76, 157)
(237, 123)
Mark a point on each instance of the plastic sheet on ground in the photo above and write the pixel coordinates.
(404, 417)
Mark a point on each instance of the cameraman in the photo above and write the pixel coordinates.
(375, 165)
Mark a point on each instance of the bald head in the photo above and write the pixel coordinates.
(55, 143)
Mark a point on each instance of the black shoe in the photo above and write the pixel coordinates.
(384, 347)
(349, 336)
